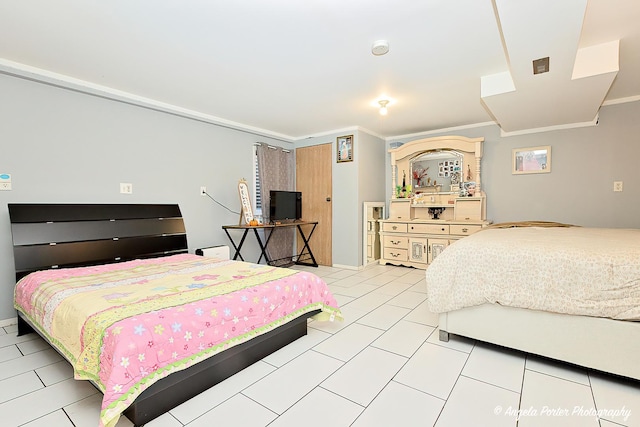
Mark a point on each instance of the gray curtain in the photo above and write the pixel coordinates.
(275, 171)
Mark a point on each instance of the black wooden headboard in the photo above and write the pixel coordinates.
(72, 235)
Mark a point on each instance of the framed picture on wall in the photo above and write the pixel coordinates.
(344, 148)
(531, 160)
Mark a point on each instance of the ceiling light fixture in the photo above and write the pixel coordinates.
(383, 106)
(380, 47)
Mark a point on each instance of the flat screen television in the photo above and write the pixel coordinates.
(285, 205)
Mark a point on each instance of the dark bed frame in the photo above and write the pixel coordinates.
(72, 235)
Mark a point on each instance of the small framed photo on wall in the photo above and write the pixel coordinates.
(344, 148)
(531, 160)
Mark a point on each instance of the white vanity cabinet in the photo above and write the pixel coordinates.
(435, 247)
(416, 243)
(418, 250)
(437, 199)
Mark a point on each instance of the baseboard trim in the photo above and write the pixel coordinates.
(346, 267)
(371, 264)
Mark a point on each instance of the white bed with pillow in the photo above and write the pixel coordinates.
(568, 293)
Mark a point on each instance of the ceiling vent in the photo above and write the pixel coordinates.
(541, 65)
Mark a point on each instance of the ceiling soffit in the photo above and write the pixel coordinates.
(577, 82)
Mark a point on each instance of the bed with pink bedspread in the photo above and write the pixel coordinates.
(124, 326)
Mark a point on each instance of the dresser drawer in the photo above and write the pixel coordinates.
(468, 209)
(429, 228)
(395, 242)
(394, 254)
(397, 227)
(400, 209)
(464, 230)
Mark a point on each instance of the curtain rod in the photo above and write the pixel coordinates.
(272, 147)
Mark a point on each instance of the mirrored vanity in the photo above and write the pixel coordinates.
(437, 198)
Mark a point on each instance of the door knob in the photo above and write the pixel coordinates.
(328, 199)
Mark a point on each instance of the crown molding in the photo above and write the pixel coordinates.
(62, 81)
(621, 100)
(593, 122)
(439, 131)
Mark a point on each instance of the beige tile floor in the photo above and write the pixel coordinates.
(383, 366)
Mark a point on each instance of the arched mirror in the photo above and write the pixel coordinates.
(437, 171)
(447, 165)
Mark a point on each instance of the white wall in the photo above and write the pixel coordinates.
(579, 189)
(65, 147)
(371, 179)
(345, 207)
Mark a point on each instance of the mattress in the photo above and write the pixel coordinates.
(127, 325)
(570, 270)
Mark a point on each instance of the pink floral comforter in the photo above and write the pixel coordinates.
(127, 325)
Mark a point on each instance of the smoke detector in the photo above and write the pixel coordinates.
(380, 47)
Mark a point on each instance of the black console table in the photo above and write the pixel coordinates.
(305, 256)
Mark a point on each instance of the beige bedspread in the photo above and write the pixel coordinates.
(573, 270)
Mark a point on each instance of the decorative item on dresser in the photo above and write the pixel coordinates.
(445, 201)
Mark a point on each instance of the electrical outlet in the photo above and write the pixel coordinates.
(203, 191)
(126, 188)
(617, 185)
(5, 182)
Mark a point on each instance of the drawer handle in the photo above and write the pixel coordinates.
(395, 255)
(464, 230)
(442, 229)
(394, 227)
(395, 242)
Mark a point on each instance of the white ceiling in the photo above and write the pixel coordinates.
(293, 69)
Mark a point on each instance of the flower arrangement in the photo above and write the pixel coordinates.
(418, 174)
(400, 194)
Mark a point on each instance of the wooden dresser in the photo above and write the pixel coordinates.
(442, 199)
